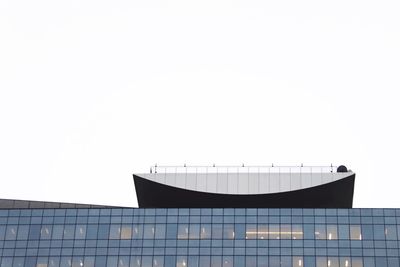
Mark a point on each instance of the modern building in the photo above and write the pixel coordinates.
(209, 217)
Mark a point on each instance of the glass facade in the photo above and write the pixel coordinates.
(119, 237)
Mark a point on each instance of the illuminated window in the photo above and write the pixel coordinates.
(251, 231)
(126, 232)
(355, 232)
(333, 262)
(205, 231)
(320, 231)
(345, 262)
(273, 231)
(194, 231)
(229, 232)
(331, 232)
(183, 231)
(286, 231)
(297, 262)
(297, 231)
(262, 231)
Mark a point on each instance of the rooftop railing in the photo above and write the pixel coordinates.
(242, 169)
(244, 179)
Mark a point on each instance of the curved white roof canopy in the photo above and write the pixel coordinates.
(245, 183)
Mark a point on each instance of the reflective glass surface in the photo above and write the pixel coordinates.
(200, 237)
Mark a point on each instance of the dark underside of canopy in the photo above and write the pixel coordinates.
(337, 194)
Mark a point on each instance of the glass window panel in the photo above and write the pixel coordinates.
(42, 262)
(54, 262)
(147, 261)
(181, 261)
(126, 231)
(193, 261)
(286, 231)
(273, 231)
(103, 232)
(205, 232)
(227, 261)
(309, 232)
(6, 262)
(65, 262)
(379, 232)
(333, 262)
(345, 261)
(297, 261)
(286, 261)
(297, 231)
(204, 261)
(239, 261)
(112, 261)
(69, 231)
(78, 262)
(355, 232)
(262, 232)
(356, 262)
(367, 232)
(89, 261)
(381, 262)
(80, 232)
(170, 261)
(331, 232)
(322, 262)
(194, 231)
(392, 262)
(274, 261)
(148, 232)
(19, 261)
(390, 232)
(23, 232)
(309, 261)
(45, 232)
(229, 232)
(91, 231)
(34, 232)
(320, 231)
(158, 261)
(183, 231)
(240, 231)
(30, 262)
(2, 232)
(135, 261)
(11, 232)
(369, 261)
(123, 261)
(160, 231)
(137, 231)
(115, 231)
(217, 231)
(343, 231)
(262, 261)
(216, 261)
(251, 231)
(251, 261)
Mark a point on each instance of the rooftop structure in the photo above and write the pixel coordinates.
(210, 221)
(246, 186)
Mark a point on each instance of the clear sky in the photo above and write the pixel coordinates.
(92, 91)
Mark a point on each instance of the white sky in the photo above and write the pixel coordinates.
(92, 91)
